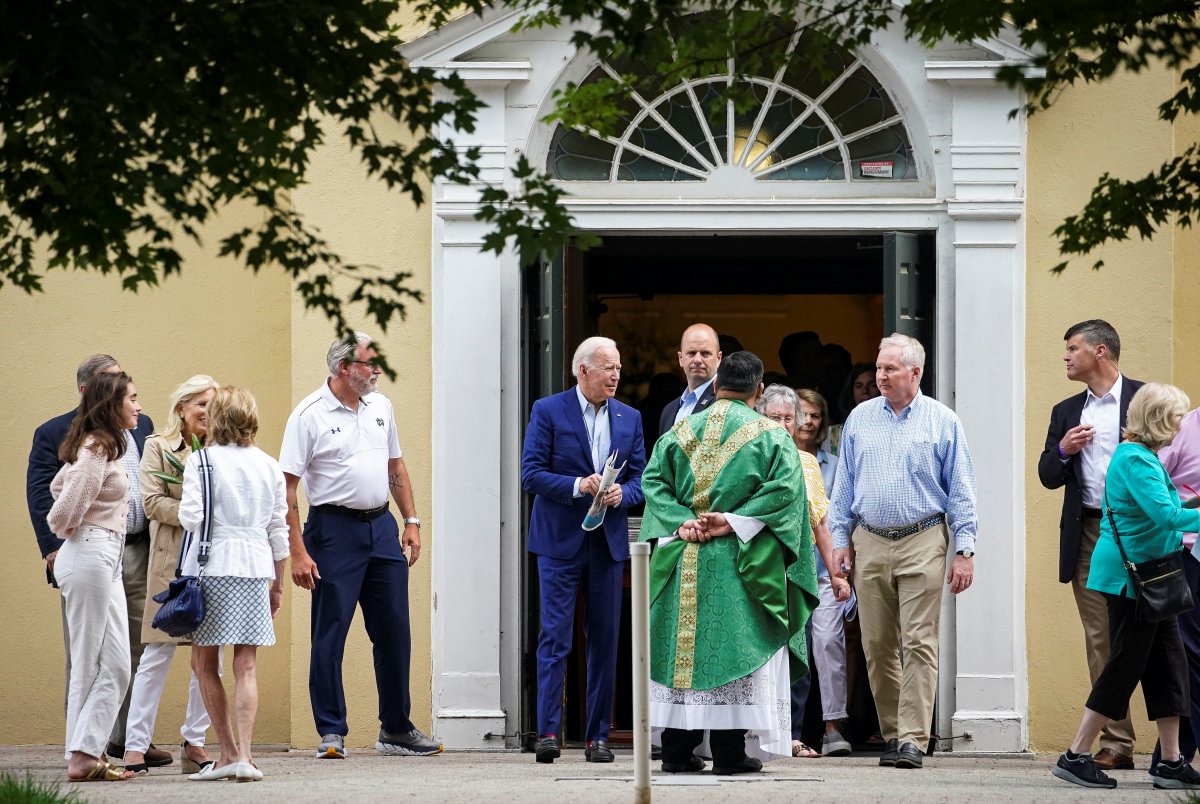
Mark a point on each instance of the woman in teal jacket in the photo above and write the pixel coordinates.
(1149, 519)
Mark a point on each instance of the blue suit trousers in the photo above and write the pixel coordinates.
(593, 569)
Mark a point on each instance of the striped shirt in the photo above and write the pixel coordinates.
(897, 470)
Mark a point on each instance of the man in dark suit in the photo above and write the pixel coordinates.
(43, 466)
(570, 437)
(699, 356)
(1084, 431)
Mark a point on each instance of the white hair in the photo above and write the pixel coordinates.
(342, 351)
(911, 350)
(587, 350)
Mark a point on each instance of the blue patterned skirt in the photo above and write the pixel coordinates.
(237, 611)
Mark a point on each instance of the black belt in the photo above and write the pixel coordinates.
(896, 534)
(1092, 513)
(353, 513)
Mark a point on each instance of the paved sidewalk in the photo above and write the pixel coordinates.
(294, 776)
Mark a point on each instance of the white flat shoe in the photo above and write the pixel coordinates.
(211, 773)
(246, 772)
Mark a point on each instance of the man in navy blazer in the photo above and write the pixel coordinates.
(570, 437)
(1084, 430)
(43, 466)
(699, 356)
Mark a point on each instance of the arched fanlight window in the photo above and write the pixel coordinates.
(836, 124)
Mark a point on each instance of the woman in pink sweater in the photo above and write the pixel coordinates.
(91, 505)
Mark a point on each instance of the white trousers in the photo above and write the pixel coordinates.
(88, 570)
(147, 691)
(829, 651)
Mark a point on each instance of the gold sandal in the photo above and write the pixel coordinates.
(103, 771)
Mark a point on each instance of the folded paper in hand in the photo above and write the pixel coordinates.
(595, 514)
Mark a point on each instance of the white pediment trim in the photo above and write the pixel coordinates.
(450, 43)
(439, 48)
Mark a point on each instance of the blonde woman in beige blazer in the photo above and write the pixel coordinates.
(186, 417)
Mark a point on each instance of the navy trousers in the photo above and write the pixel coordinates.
(560, 579)
(361, 564)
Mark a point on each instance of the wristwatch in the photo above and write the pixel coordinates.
(963, 553)
(412, 520)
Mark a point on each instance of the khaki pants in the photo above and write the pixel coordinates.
(1093, 613)
(899, 586)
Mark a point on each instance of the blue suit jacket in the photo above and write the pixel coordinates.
(44, 465)
(556, 452)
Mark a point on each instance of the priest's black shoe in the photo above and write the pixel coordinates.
(546, 749)
(694, 765)
(890, 753)
(598, 751)
(655, 753)
(747, 765)
(909, 756)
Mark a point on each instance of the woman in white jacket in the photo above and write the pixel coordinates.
(243, 578)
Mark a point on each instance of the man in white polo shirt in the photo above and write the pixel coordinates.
(341, 439)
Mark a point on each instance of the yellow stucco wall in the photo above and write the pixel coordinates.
(254, 333)
(1088, 131)
(216, 319)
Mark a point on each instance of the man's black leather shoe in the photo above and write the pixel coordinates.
(890, 753)
(546, 749)
(655, 753)
(909, 756)
(598, 751)
(747, 765)
(694, 765)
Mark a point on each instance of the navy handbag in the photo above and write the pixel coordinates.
(182, 602)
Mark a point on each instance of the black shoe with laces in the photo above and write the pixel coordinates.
(1175, 777)
(1082, 771)
(546, 750)
(891, 752)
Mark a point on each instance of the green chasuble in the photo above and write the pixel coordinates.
(720, 610)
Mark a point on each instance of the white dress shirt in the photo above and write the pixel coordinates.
(249, 531)
(1104, 414)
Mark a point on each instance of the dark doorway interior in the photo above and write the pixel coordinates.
(643, 291)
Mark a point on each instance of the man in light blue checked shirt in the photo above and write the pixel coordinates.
(905, 482)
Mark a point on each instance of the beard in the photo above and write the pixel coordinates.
(362, 385)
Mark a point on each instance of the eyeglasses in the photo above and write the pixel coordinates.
(782, 419)
(371, 364)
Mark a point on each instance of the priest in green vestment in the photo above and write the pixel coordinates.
(732, 580)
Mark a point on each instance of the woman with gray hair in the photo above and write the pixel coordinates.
(161, 482)
(802, 415)
(1143, 510)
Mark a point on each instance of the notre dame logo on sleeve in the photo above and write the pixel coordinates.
(379, 422)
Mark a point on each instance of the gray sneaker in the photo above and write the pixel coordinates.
(1175, 777)
(833, 744)
(332, 746)
(413, 744)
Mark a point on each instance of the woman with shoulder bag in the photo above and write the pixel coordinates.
(1143, 512)
(91, 505)
(242, 579)
(186, 419)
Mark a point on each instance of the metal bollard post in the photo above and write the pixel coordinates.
(640, 605)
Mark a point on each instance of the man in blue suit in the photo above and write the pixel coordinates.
(570, 436)
(43, 466)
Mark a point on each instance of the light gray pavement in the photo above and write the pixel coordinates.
(294, 776)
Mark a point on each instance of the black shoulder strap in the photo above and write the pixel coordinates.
(1116, 536)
